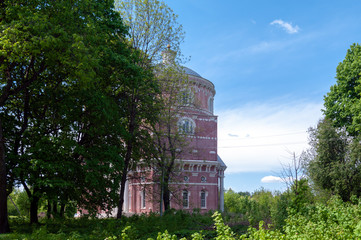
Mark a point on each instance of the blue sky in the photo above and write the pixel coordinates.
(271, 62)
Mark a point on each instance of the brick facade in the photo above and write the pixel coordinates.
(201, 173)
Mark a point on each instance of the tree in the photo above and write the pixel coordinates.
(335, 166)
(152, 27)
(140, 109)
(170, 139)
(335, 141)
(292, 172)
(233, 202)
(343, 101)
(36, 41)
(69, 53)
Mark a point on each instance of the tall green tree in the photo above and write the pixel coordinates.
(170, 139)
(343, 101)
(139, 103)
(35, 42)
(152, 26)
(335, 165)
(58, 92)
(336, 137)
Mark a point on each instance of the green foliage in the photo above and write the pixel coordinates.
(250, 208)
(334, 220)
(179, 224)
(152, 26)
(223, 231)
(302, 197)
(21, 200)
(262, 233)
(342, 103)
(72, 100)
(334, 165)
(279, 211)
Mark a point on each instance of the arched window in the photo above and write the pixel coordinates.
(203, 199)
(143, 199)
(185, 199)
(210, 104)
(186, 97)
(186, 125)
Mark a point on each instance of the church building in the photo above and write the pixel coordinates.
(201, 171)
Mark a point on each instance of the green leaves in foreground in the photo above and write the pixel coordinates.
(334, 220)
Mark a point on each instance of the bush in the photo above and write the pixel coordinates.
(334, 220)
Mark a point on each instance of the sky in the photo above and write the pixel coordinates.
(272, 63)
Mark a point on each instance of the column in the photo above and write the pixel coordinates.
(126, 197)
(221, 191)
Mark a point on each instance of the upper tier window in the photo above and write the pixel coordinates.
(210, 104)
(186, 97)
(186, 125)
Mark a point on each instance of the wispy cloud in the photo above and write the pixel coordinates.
(286, 26)
(260, 47)
(271, 179)
(232, 135)
(273, 129)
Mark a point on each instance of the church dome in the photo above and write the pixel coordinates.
(169, 58)
(190, 72)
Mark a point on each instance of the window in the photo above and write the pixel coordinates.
(203, 179)
(186, 97)
(203, 199)
(210, 104)
(130, 199)
(186, 178)
(143, 199)
(186, 125)
(185, 199)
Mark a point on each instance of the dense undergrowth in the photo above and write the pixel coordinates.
(334, 220)
(178, 223)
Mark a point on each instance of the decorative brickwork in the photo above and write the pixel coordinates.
(200, 181)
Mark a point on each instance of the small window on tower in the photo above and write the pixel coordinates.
(186, 126)
(210, 104)
(185, 199)
(143, 198)
(203, 199)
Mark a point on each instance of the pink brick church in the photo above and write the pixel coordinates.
(201, 175)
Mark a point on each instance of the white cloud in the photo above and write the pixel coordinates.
(273, 128)
(271, 179)
(232, 135)
(286, 26)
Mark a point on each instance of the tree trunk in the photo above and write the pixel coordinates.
(166, 199)
(166, 192)
(4, 222)
(62, 210)
(128, 157)
(121, 196)
(34, 202)
(48, 212)
(123, 180)
(55, 209)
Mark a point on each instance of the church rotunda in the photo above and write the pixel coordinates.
(201, 170)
